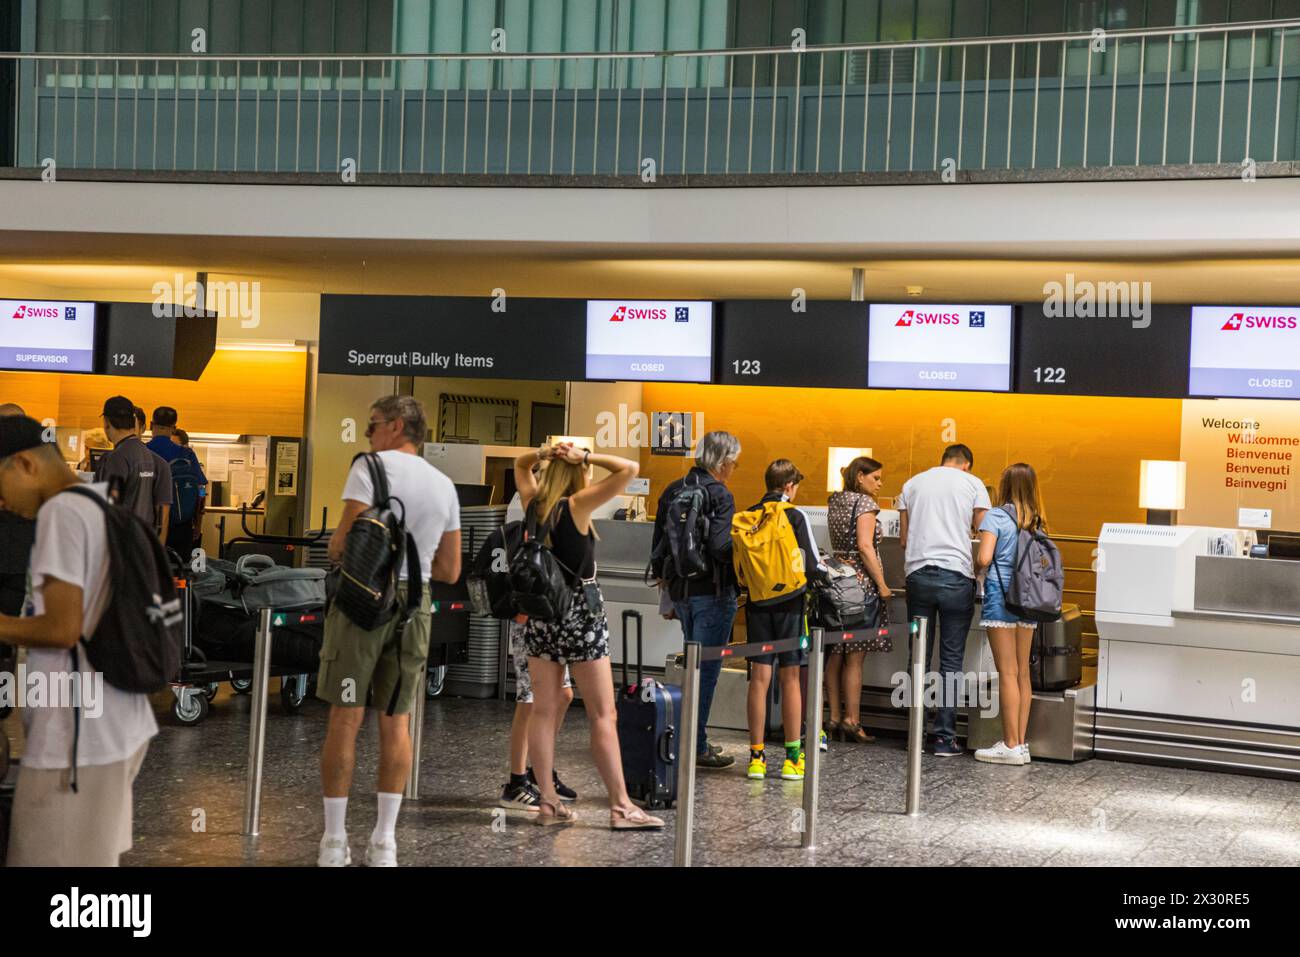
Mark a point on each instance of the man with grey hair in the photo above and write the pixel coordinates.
(386, 663)
(702, 587)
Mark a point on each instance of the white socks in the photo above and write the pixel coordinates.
(388, 805)
(336, 812)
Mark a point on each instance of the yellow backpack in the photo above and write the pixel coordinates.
(769, 563)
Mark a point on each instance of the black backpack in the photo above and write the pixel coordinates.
(488, 580)
(137, 643)
(683, 551)
(840, 600)
(373, 552)
(540, 584)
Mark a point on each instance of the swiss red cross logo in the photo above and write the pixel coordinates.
(21, 311)
(1233, 323)
(905, 319)
(619, 314)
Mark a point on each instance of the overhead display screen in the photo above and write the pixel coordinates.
(767, 342)
(463, 337)
(1251, 351)
(37, 335)
(939, 346)
(1141, 357)
(650, 340)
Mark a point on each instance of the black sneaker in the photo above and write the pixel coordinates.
(522, 797)
(565, 792)
(947, 748)
(714, 759)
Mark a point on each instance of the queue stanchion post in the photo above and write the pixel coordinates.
(415, 728)
(257, 724)
(812, 744)
(686, 755)
(916, 716)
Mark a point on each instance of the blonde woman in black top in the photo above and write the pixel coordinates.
(563, 498)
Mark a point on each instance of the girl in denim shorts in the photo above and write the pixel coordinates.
(1021, 507)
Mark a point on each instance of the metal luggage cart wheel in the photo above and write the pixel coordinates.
(191, 705)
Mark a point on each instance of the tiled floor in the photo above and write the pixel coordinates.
(1097, 812)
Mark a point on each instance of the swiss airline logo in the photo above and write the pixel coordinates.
(28, 311)
(919, 317)
(623, 313)
(1240, 320)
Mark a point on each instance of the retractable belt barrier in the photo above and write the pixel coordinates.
(815, 643)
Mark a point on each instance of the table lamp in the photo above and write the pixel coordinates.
(1162, 490)
(837, 460)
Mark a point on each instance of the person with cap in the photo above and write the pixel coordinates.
(63, 818)
(189, 484)
(137, 478)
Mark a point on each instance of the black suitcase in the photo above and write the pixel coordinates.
(648, 716)
(1056, 655)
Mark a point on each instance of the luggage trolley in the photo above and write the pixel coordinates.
(201, 676)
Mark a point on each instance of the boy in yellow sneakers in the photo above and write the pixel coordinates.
(774, 554)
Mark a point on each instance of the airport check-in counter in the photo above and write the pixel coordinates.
(1198, 650)
(1060, 723)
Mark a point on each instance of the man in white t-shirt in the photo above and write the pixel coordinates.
(66, 814)
(383, 664)
(939, 510)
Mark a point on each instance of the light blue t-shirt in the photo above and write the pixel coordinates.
(1004, 552)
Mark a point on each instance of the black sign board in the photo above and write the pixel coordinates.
(461, 337)
(1142, 353)
(167, 342)
(768, 342)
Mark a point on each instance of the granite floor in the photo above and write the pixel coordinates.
(189, 805)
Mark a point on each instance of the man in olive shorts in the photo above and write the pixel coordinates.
(378, 667)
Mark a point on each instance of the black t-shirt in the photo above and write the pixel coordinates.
(16, 537)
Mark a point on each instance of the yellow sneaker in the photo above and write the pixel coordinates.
(791, 771)
(757, 768)
(801, 761)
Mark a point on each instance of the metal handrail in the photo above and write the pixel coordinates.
(1247, 26)
(485, 113)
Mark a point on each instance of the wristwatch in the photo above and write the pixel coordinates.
(586, 457)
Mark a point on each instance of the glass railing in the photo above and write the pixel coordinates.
(1173, 97)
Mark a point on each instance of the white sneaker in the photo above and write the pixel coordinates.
(1024, 753)
(381, 855)
(999, 754)
(334, 852)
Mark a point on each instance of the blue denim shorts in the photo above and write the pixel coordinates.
(995, 613)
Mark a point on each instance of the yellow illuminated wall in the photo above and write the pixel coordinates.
(256, 393)
(1086, 450)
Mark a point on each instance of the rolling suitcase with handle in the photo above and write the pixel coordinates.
(648, 714)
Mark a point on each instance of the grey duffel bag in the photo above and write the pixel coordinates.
(261, 583)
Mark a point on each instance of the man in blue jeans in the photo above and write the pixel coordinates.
(939, 511)
(705, 604)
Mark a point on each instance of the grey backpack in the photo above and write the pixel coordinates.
(1037, 578)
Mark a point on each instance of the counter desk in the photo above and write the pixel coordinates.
(1060, 723)
(1198, 650)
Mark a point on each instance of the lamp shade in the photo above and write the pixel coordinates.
(581, 441)
(837, 459)
(1163, 485)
